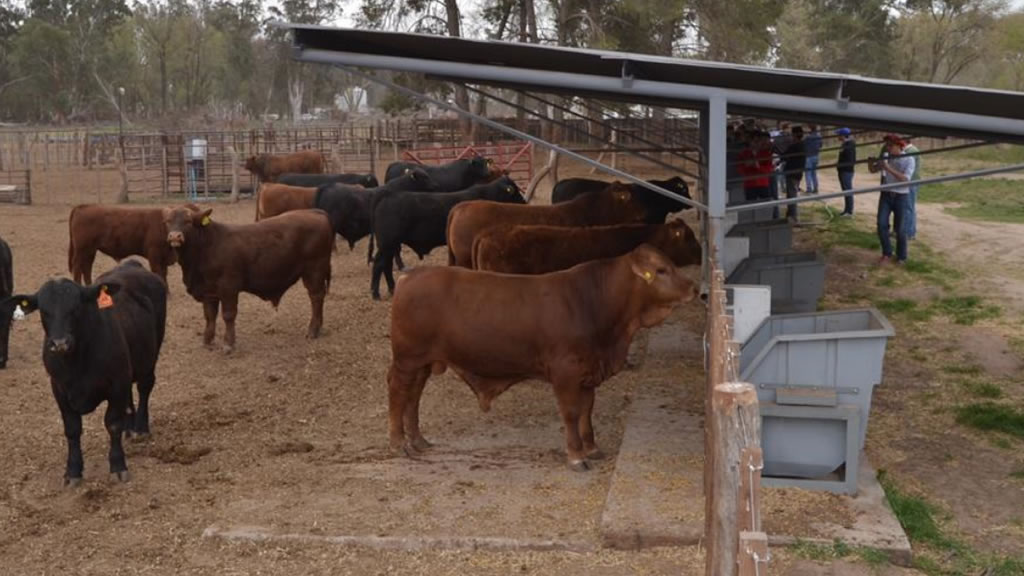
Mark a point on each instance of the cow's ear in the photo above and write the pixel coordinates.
(640, 262)
(407, 170)
(101, 293)
(202, 218)
(27, 303)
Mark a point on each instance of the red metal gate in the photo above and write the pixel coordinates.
(514, 157)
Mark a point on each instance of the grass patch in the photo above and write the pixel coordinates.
(994, 154)
(838, 549)
(873, 557)
(966, 310)
(1017, 345)
(982, 389)
(1018, 473)
(915, 514)
(905, 308)
(964, 369)
(1002, 442)
(993, 417)
(991, 199)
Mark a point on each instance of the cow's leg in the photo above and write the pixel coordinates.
(569, 405)
(411, 416)
(210, 312)
(73, 435)
(229, 310)
(398, 260)
(381, 262)
(400, 387)
(316, 285)
(141, 425)
(586, 424)
(85, 267)
(114, 421)
(389, 273)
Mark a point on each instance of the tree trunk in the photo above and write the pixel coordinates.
(295, 91)
(454, 21)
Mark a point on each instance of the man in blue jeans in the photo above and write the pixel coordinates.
(897, 168)
(911, 219)
(812, 147)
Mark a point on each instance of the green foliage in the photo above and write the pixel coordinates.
(850, 36)
(966, 369)
(991, 416)
(915, 514)
(982, 389)
(965, 310)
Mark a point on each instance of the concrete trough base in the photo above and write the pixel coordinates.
(655, 495)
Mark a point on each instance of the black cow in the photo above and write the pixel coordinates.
(6, 289)
(658, 207)
(317, 180)
(99, 339)
(348, 207)
(420, 221)
(450, 177)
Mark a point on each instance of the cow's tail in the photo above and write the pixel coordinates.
(374, 200)
(71, 241)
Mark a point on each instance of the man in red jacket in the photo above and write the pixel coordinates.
(756, 167)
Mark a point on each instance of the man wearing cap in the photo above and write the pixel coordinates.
(896, 168)
(845, 167)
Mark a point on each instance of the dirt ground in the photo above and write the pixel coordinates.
(290, 435)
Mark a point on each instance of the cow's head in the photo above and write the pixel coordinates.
(679, 243)
(369, 181)
(660, 286)
(65, 309)
(255, 164)
(181, 221)
(624, 203)
(505, 190)
(480, 168)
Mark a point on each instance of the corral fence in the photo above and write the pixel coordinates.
(16, 186)
(514, 157)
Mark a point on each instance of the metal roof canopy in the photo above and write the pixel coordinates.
(677, 83)
(713, 89)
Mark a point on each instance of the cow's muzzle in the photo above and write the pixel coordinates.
(60, 345)
(175, 239)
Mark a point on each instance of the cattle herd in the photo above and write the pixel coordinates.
(553, 292)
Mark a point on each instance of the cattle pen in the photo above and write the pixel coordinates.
(714, 91)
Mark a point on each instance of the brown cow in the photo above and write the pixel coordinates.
(277, 199)
(118, 232)
(574, 332)
(542, 249)
(265, 259)
(613, 205)
(267, 167)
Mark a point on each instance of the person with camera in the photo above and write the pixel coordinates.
(896, 167)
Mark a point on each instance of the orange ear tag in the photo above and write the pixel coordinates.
(104, 300)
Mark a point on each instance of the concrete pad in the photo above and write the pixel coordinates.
(875, 526)
(656, 495)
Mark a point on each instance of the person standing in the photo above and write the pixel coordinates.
(845, 166)
(793, 160)
(911, 219)
(896, 168)
(812, 146)
(781, 140)
(756, 167)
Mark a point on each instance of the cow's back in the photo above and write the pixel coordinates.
(6, 270)
(116, 231)
(569, 188)
(276, 198)
(532, 249)
(140, 308)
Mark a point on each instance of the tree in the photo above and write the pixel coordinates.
(296, 74)
(940, 39)
(847, 36)
(1010, 43)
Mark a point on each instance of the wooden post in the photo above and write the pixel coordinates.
(164, 177)
(233, 154)
(373, 152)
(735, 426)
(753, 554)
(122, 170)
(28, 186)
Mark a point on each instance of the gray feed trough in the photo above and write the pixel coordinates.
(767, 237)
(797, 279)
(815, 363)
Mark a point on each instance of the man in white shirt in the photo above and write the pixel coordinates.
(895, 169)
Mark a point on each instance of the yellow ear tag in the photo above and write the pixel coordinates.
(509, 189)
(648, 276)
(24, 303)
(104, 300)
(205, 221)
(678, 233)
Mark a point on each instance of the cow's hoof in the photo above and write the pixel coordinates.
(420, 444)
(72, 482)
(227, 348)
(375, 297)
(595, 454)
(139, 437)
(122, 476)
(579, 465)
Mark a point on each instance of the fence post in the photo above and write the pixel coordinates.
(122, 170)
(164, 177)
(233, 154)
(373, 151)
(28, 186)
(735, 427)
